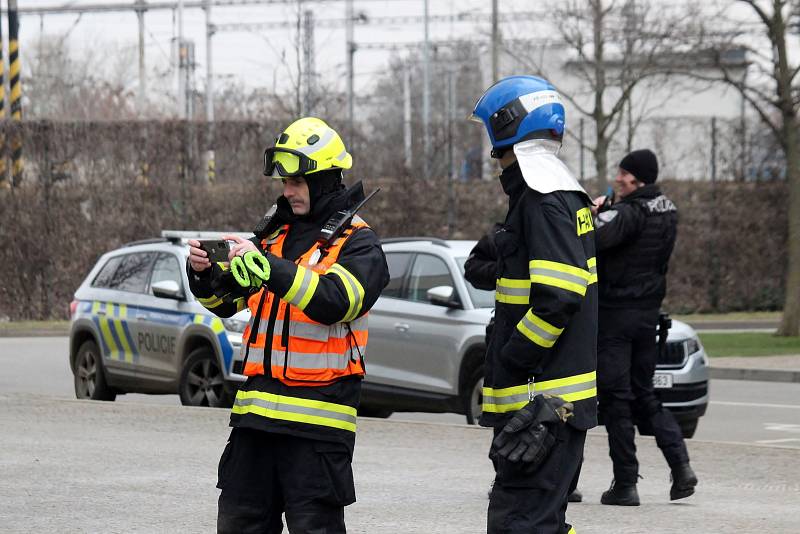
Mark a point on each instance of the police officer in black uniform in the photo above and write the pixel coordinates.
(635, 236)
(539, 390)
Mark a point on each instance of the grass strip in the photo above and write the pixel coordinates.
(29, 328)
(749, 344)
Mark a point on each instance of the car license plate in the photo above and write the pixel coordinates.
(662, 380)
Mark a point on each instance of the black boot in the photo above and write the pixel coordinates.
(575, 496)
(683, 482)
(621, 495)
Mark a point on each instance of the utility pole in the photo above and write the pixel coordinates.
(182, 52)
(451, 190)
(14, 71)
(140, 9)
(308, 62)
(581, 142)
(426, 98)
(211, 164)
(712, 251)
(407, 117)
(495, 41)
(351, 50)
(4, 183)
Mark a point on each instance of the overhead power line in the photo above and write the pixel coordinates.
(363, 19)
(149, 6)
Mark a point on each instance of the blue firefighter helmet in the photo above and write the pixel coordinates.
(518, 108)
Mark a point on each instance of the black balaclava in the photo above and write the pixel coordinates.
(513, 183)
(323, 183)
(321, 188)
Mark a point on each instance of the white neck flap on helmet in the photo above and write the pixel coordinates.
(541, 168)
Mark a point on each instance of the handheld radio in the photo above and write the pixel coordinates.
(261, 229)
(609, 201)
(334, 227)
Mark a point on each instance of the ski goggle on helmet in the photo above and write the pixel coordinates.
(307, 146)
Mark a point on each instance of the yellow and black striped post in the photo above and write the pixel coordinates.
(16, 91)
(4, 183)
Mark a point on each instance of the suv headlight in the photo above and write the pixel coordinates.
(691, 345)
(234, 325)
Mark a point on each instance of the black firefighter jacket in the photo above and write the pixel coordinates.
(545, 334)
(361, 255)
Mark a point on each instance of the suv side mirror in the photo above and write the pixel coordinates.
(167, 289)
(443, 296)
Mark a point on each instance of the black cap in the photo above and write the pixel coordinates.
(642, 164)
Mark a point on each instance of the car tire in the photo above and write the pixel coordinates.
(688, 428)
(472, 397)
(202, 382)
(90, 375)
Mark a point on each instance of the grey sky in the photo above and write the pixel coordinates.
(255, 58)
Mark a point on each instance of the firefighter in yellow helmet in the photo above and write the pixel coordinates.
(294, 418)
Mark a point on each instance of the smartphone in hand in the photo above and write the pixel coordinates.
(217, 249)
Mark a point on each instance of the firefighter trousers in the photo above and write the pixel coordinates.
(626, 360)
(524, 503)
(264, 475)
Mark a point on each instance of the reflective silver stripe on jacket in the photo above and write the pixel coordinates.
(303, 360)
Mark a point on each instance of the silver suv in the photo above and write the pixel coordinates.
(136, 328)
(427, 340)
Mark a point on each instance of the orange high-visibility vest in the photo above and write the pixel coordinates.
(304, 352)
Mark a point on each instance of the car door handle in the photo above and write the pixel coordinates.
(401, 327)
(100, 312)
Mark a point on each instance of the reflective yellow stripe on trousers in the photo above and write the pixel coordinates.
(285, 408)
(511, 399)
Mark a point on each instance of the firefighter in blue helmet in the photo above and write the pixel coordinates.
(539, 390)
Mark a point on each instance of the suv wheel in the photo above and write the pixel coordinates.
(202, 382)
(473, 396)
(90, 377)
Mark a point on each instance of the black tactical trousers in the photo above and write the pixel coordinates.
(525, 503)
(626, 360)
(264, 475)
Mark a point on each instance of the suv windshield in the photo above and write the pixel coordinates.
(480, 297)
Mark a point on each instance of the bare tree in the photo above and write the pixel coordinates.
(771, 88)
(612, 48)
(79, 84)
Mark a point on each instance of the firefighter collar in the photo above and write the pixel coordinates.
(541, 168)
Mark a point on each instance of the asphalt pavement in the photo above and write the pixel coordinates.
(740, 410)
(83, 466)
(137, 466)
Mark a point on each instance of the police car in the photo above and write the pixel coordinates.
(136, 328)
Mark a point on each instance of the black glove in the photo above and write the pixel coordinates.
(530, 434)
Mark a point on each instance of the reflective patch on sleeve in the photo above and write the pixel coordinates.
(605, 217)
(561, 275)
(513, 291)
(302, 288)
(538, 330)
(210, 302)
(355, 291)
(591, 263)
